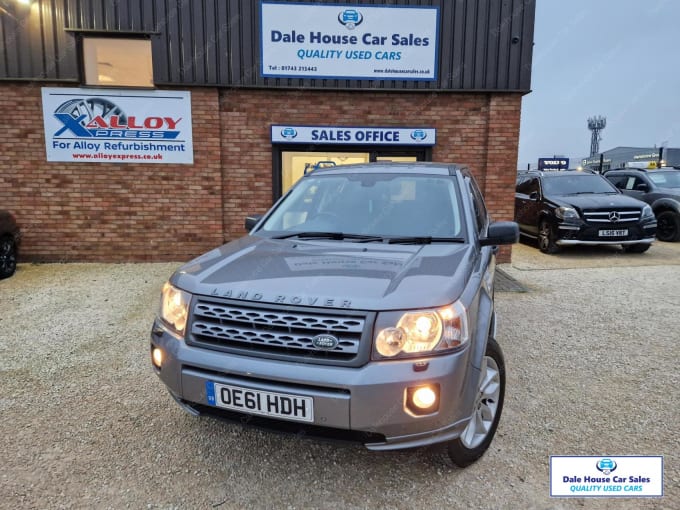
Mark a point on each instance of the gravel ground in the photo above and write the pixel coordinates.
(84, 422)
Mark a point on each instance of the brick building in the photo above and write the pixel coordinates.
(245, 112)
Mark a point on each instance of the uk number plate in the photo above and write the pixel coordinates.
(614, 233)
(265, 403)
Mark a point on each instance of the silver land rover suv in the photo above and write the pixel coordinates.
(359, 307)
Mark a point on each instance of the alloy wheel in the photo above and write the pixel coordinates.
(8, 258)
(486, 405)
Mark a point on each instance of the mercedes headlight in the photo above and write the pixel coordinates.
(647, 212)
(566, 213)
(175, 307)
(423, 332)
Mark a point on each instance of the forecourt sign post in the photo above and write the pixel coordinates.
(553, 164)
(349, 41)
(117, 126)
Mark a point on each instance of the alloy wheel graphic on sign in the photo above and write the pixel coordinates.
(100, 118)
(84, 111)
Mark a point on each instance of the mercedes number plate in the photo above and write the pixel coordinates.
(265, 403)
(614, 233)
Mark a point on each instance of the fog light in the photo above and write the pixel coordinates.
(157, 357)
(424, 397)
(423, 400)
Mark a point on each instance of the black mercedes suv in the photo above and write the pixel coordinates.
(660, 189)
(572, 207)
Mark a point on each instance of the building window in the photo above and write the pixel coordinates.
(116, 62)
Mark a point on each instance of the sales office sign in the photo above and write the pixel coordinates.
(349, 41)
(347, 135)
(117, 126)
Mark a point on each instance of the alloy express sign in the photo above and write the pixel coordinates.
(117, 126)
(349, 41)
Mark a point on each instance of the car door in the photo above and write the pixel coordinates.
(528, 204)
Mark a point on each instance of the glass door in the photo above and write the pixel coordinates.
(402, 155)
(295, 164)
(292, 162)
(397, 159)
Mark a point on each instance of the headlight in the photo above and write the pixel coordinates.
(421, 332)
(175, 307)
(647, 212)
(566, 213)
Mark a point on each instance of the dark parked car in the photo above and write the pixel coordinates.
(660, 189)
(570, 208)
(9, 240)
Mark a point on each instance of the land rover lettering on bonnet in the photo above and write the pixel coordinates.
(359, 307)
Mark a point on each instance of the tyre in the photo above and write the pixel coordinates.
(668, 226)
(546, 238)
(479, 433)
(636, 248)
(8, 257)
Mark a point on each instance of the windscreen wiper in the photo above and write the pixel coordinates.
(336, 236)
(424, 240)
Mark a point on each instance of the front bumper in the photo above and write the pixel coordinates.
(587, 234)
(368, 401)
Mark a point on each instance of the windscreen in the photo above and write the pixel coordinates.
(576, 184)
(370, 204)
(665, 179)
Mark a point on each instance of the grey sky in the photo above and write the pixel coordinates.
(617, 58)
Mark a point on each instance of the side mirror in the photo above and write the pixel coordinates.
(533, 195)
(642, 187)
(501, 232)
(252, 220)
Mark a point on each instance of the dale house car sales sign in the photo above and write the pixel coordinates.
(117, 126)
(349, 41)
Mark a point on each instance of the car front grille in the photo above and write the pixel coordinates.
(612, 216)
(273, 332)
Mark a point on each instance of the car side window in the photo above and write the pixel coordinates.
(639, 181)
(528, 186)
(628, 183)
(520, 181)
(619, 181)
(481, 215)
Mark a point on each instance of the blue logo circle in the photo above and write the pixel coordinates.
(350, 18)
(606, 466)
(418, 134)
(288, 133)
